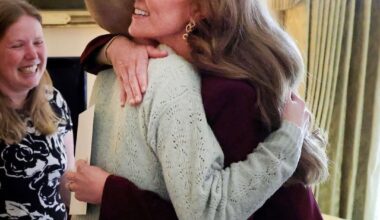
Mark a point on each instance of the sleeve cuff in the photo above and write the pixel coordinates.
(288, 138)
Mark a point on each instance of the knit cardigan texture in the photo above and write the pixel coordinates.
(166, 146)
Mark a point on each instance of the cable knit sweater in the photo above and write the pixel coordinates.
(165, 145)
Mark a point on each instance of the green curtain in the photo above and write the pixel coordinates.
(342, 88)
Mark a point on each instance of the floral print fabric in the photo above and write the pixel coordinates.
(30, 171)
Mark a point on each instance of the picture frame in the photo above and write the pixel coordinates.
(58, 4)
(63, 12)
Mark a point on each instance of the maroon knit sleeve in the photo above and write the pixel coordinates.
(88, 57)
(123, 200)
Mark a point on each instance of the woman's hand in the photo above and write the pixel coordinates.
(87, 183)
(296, 112)
(130, 62)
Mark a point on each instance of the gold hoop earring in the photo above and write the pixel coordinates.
(189, 28)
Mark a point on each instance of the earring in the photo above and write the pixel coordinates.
(189, 28)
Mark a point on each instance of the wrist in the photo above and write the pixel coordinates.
(107, 49)
(102, 188)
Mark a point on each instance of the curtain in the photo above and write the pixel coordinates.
(343, 91)
(372, 119)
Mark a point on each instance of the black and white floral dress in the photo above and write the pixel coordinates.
(30, 171)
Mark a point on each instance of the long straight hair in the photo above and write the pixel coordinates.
(239, 39)
(37, 107)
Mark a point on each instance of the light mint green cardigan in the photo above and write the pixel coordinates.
(166, 146)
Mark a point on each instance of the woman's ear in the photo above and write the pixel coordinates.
(197, 12)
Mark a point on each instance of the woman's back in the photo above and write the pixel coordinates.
(234, 117)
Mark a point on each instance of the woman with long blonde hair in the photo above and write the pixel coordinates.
(36, 142)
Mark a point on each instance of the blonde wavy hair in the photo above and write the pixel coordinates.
(12, 126)
(239, 39)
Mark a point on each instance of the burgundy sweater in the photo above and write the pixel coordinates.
(233, 115)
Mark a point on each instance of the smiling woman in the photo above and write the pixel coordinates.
(36, 142)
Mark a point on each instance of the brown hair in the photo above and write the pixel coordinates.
(239, 39)
(12, 126)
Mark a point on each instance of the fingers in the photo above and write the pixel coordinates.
(81, 165)
(123, 96)
(72, 187)
(68, 186)
(295, 111)
(142, 73)
(74, 177)
(126, 92)
(130, 88)
(131, 70)
(123, 93)
(126, 85)
(154, 52)
(307, 119)
(122, 75)
(70, 175)
(295, 98)
(134, 85)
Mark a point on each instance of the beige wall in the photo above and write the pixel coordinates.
(69, 40)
